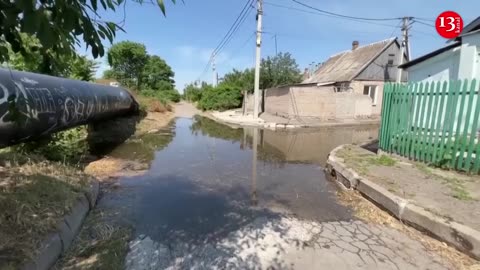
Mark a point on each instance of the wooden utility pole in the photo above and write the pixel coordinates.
(404, 47)
(256, 99)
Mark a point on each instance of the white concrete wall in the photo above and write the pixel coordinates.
(442, 67)
(470, 57)
(458, 63)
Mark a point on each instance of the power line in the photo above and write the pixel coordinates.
(239, 48)
(425, 19)
(427, 24)
(345, 16)
(322, 14)
(229, 35)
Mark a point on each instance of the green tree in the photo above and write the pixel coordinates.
(83, 69)
(108, 74)
(222, 97)
(59, 25)
(242, 79)
(68, 66)
(278, 70)
(193, 92)
(157, 74)
(127, 60)
(281, 69)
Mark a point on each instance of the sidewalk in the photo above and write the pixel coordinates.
(443, 203)
(270, 121)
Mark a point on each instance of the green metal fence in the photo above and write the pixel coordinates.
(437, 123)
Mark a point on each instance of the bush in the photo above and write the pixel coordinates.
(223, 97)
(152, 104)
(68, 146)
(164, 96)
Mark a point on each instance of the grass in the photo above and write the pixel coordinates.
(362, 161)
(383, 160)
(99, 245)
(151, 104)
(34, 196)
(456, 186)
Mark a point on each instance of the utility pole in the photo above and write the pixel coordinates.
(256, 101)
(214, 69)
(276, 47)
(404, 47)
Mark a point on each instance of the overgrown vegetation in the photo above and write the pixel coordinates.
(101, 244)
(147, 75)
(35, 194)
(60, 27)
(68, 147)
(222, 97)
(278, 70)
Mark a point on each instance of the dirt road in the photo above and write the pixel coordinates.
(185, 110)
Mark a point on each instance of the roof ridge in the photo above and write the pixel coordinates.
(388, 40)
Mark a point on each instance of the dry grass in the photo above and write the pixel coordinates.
(34, 196)
(101, 244)
(365, 210)
(150, 104)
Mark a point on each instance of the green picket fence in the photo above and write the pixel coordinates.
(437, 123)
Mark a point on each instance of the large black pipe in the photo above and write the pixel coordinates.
(32, 105)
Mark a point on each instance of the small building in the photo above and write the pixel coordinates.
(348, 85)
(459, 60)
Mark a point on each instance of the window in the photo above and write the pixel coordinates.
(391, 57)
(371, 90)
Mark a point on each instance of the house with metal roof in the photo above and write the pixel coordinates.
(460, 59)
(348, 85)
(363, 70)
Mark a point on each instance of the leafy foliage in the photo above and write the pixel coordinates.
(70, 66)
(157, 74)
(243, 79)
(59, 25)
(83, 69)
(223, 97)
(67, 146)
(280, 69)
(193, 92)
(127, 60)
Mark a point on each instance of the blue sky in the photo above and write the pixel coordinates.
(191, 30)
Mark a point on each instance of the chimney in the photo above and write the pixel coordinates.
(306, 74)
(354, 45)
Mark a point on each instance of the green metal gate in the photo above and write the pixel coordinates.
(437, 123)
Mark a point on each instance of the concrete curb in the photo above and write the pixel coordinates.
(462, 237)
(277, 126)
(57, 243)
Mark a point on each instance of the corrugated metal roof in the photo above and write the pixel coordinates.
(346, 65)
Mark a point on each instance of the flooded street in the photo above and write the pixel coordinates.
(218, 197)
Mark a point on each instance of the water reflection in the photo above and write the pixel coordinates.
(302, 146)
(211, 178)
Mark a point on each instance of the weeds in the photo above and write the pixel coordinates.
(99, 245)
(34, 196)
(383, 160)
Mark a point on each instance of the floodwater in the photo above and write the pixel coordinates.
(207, 179)
(215, 197)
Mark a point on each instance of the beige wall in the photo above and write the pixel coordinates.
(277, 101)
(318, 102)
(358, 87)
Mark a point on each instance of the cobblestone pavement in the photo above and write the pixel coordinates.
(290, 243)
